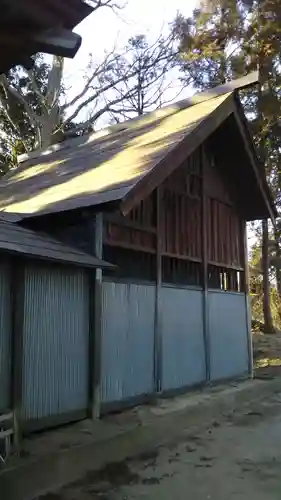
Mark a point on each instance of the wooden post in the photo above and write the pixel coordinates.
(158, 325)
(95, 318)
(205, 269)
(17, 311)
(247, 302)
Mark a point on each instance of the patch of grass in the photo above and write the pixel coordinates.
(265, 362)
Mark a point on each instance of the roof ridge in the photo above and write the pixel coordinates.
(197, 98)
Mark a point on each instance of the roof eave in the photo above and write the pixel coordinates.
(101, 264)
(29, 27)
(270, 207)
(59, 42)
(20, 241)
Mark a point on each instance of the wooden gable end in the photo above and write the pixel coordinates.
(131, 241)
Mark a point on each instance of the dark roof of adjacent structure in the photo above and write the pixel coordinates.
(126, 162)
(30, 26)
(18, 240)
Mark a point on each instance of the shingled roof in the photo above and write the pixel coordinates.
(123, 162)
(17, 240)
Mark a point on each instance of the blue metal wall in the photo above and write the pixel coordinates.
(55, 342)
(128, 334)
(228, 332)
(128, 313)
(183, 353)
(5, 334)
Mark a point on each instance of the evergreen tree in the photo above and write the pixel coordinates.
(226, 39)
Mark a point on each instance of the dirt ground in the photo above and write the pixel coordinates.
(237, 458)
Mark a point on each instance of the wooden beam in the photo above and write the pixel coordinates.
(98, 315)
(129, 246)
(49, 13)
(17, 303)
(226, 266)
(158, 312)
(181, 257)
(95, 284)
(61, 42)
(125, 222)
(247, 301)
(205, 268)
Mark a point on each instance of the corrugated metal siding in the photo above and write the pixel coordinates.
(183, 353)
(56, 339)
(127, 340)
(228, 334)
(5, 334)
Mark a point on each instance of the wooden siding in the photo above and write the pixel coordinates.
(214, 185)
(181, 205)
(134, 237)
(136, 231)
(181, 229)
(224, 235)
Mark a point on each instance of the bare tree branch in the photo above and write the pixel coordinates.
(99, 70)
(145, 90)
(97, 4)
(115, 70)
(125, 83)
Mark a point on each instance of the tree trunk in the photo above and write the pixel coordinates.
(268, 323)
(222, 47)
(277, 268)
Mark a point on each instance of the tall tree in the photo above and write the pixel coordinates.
(226, 39)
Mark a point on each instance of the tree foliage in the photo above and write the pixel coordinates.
(227, 39)
(19, 105)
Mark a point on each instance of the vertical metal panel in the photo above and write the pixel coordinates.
(183, 341)
(127, 340)
(56, 336)
(5, 334)
(95, 356)
(228, 334)
(249, 336)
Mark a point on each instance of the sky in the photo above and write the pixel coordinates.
(105, 29)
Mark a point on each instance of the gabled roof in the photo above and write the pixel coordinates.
(30, 26)
(17, 240)
(125, 162)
